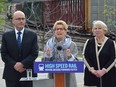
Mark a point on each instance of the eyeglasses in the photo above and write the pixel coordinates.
(19, 19)
(61, 29)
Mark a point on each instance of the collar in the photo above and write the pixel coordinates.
(18, 31)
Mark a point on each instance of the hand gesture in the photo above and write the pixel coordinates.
(68, 53)
(48, 51)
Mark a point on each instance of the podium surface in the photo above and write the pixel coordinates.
(43, 83)
(40, 81)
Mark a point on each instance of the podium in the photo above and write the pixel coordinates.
(59, 70)
(59, 80)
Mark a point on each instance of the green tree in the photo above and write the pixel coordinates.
(3, 11)
(110, 15)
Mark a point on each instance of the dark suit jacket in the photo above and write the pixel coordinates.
(11, 54)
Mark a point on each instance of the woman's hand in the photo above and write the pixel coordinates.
(101, 73)
(68, 53)
(48, 51)
(98, 73)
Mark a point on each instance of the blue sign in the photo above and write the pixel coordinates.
(58, 67)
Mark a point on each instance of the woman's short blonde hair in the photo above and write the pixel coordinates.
(62, 23)
(100, 24)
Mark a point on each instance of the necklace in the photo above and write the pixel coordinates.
(99, 44)
(100, 40)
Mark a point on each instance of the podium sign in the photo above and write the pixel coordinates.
(58, 67)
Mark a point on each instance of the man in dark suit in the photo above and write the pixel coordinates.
(18, 52)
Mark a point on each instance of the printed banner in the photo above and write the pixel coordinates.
(58, 67)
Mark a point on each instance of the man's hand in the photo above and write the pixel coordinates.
(19, 67)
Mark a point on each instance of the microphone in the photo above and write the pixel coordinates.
(59, 48)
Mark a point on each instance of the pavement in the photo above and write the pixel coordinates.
(2, 83)
(79, 76)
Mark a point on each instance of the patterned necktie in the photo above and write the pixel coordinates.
(19, 39)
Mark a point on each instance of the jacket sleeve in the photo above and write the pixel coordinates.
(74, 52)
(112, 61)
(28, 61)
(84, 53)
(4, 53)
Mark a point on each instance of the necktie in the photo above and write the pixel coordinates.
(19, 39)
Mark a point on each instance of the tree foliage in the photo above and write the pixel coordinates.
(3, 10)
(110, 15)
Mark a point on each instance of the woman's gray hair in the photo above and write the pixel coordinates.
(101, 24)
(62, 23)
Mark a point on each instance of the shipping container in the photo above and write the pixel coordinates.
(71, 11)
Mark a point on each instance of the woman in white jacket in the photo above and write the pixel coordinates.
(60, 47)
